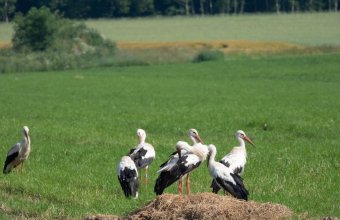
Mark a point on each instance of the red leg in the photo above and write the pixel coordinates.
(140, 179)
(146, 177)
(180, 187)
(22, 167)
(16, 168)
(188, 185)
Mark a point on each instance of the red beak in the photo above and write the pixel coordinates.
(248, 140)
(199, 140)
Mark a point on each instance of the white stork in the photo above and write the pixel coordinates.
(225, 177)
(18, 153)
(236, 159)
(186, 159)
(143, 154)
(128, 177)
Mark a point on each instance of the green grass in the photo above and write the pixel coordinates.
(83, 121)
(309, 29)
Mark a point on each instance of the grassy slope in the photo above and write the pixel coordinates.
(311, 29)
(82, 122)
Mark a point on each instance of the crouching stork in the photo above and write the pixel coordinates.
(225, 177)
(128, 177)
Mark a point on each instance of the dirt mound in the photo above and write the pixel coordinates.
(208, 206)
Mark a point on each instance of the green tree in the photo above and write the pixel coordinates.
(141, 7)
(36, 30)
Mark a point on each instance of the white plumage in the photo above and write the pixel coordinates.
(18, 153)
(236, 159)
(128, 176)
(143, 154)
(225, 177)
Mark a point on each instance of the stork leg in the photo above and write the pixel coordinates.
(140, 179)
(22, 167)
(188, 184)
(16, 168)
(180, 187)
(146, 177)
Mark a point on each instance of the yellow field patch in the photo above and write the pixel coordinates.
(230, 46)
(5, 45)
(241, 46)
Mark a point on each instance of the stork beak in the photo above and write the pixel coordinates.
(249, 141)
(199, 140)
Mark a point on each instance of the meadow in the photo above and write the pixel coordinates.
(83, 121)
(313, 29)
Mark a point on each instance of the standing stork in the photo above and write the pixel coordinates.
(236, 159)
(128, 177)
(225, 176)
(183, 165)
(18, 153)
(143, 154)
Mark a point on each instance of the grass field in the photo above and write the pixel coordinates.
(307, 29)
(83, 121)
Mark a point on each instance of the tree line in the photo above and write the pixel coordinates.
(138, 8)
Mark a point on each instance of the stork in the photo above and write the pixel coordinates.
(225, 176)
(18, 153)
(236, 159)
(197, 142)
(183, 165)
(128, 177)
(143, 154)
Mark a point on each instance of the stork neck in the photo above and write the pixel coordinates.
(241, 142)
(141, 139)
(193, 140)
(212, 156)
(27, 139)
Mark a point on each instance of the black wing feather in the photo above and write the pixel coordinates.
(129, 182)
(166, 178)
(9, 159)
(163, 164)
(225, 163)
(239, 191)
(137, 157)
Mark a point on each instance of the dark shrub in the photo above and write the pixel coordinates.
(208, 55)
(35, 31)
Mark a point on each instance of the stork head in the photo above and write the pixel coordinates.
(26, 130)
(242, 135)
(141, 135)
(193, 134)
